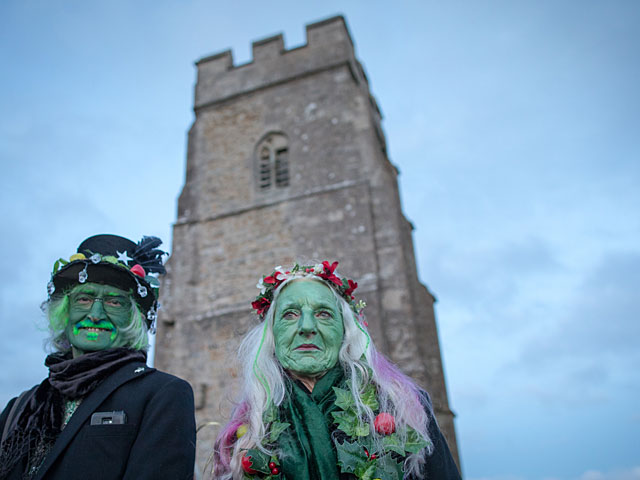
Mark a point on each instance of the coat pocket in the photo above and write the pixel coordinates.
(109, 430)
(98, 452)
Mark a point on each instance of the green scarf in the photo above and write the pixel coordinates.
(306, 448)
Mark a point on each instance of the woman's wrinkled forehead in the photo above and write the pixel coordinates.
(307, 291)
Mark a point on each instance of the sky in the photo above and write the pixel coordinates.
(515, 127)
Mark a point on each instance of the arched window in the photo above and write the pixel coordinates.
(272, 155)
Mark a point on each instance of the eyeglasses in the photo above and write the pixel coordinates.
(110, 303)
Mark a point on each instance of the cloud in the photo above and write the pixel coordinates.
(22, 351)
(602, 320)
(583, 351)
(632, 473)
(499, 477)
(617, 474)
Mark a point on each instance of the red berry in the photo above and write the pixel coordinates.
(275, 471)
(385, 424)
(138, 270)
(272, 465)
(247, 463)
(373, 456)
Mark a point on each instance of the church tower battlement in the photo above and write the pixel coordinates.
(287, 161)
(328, 46)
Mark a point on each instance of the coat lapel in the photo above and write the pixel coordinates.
(123, 375)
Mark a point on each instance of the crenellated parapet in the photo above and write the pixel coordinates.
(329, 45)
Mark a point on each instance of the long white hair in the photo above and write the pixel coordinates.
(264, 386)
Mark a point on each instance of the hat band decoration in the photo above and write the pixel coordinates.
(116, 261)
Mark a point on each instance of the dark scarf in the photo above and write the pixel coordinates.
(305, 448)
(40, 421)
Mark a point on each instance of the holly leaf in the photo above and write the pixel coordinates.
(276, 429)
(344, 400)
(368, 443)
(259, 460)
(351, 457)
(347, 422)
(365, 472)
(414, 442)
(388, 468)
(391, 443)
(369, 397)
(361, 430)
(269, 414)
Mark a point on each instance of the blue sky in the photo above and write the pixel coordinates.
(515, 128)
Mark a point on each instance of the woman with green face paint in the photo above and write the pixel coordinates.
(308, 330)
(319, 401)
(102, 411)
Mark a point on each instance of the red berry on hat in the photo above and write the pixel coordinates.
(138, 270)
(272, 465)
(275, 471)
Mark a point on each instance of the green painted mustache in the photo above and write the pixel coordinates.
(104, 324)
(93, 336)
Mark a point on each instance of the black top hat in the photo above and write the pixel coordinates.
(116, 261)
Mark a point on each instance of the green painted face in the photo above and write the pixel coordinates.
(308, 328)
(96, 313)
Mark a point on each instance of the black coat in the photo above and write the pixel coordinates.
(156, 442)
(440, 464)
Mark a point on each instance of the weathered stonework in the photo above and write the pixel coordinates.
(341, 203)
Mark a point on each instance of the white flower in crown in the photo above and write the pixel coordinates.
(279, 274)
(261, 286)
(319, 268)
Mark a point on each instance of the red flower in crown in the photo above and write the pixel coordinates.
(261, 305)
(275, 279)
(352, 286)
(328, 274)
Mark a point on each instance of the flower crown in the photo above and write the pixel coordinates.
(270, 283)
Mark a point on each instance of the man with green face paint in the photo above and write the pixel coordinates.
(97, 313)
(102, 412)
(320, 403)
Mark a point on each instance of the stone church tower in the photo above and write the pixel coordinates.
(287, 161)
